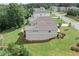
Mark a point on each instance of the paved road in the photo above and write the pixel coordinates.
(74, 24)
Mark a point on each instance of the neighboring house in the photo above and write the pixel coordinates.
(75, 8)
(54, 8)
(62, 9)
(39, 9)
(39, 12)
(40, 27)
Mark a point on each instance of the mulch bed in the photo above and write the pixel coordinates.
(74, 52)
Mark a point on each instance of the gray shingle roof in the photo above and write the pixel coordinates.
(43, 23)
(40, 10)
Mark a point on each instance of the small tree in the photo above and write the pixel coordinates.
(4, 52)
(23, 51)
(59, 25)
(17, 50)
(69, 24)
(12, 48)
(15, 15)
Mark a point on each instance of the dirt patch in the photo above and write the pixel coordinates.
(75, 53)
(3, 46)
(1, 36)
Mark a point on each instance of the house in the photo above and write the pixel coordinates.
(62, 9)
(54, 8)
(59, 9)
(38, 12)
(40, 27)
(39, 9)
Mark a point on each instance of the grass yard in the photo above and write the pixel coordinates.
(10, 37)
(57, 20)
(74, 19)
(53, 15)
(54, 47)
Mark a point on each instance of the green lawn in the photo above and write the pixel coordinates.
(11, 36)
(55, 47)
(57, 20)
(52, 47)
(74, 19)
(53, 15)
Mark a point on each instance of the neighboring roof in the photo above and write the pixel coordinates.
(40, 10)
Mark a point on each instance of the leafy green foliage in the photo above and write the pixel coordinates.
(17, 50)
(73, 12)
(75, 49)
(14, 50)
(23, 51)
(14, 15)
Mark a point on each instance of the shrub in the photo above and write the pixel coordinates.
(69, 24)
(73, 12)
(77, 44)
(17, 50)
(75, 49)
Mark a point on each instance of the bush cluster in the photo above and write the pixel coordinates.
(75, 48)
(73, 11)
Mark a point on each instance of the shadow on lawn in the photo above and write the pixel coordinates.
(9, 30)
(21, 40)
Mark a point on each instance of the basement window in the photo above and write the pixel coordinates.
(49, 31)
(29, 24)
(35, 30)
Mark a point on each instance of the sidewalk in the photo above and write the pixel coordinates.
(74, 24)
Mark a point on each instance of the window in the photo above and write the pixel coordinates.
(35, 30)
(40, 14)
(29, 24)
(34, 23)
(49, 31)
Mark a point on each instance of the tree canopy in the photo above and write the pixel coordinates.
(13, 14)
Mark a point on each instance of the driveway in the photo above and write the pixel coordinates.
(74, 24)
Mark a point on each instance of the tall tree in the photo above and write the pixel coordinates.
(15, 15)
